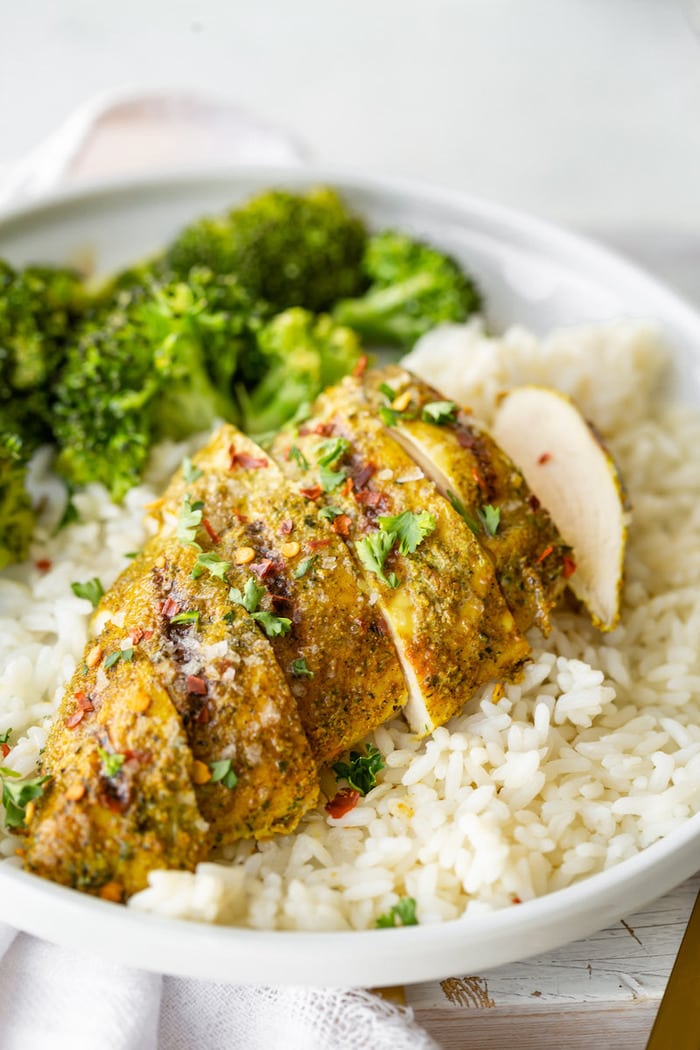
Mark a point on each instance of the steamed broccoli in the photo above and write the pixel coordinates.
(304, 353)
(290, 249)
(16, 513)
(38, 308)
(413, 288)
(156, 360)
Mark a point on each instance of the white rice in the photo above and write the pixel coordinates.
(591, 758)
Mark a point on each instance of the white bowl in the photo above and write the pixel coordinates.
(530, 273)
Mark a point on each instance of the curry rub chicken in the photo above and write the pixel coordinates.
(386, 556)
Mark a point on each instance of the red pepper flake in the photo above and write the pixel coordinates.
(341, 525)
(203, 716)
(369, 498)
(248, 462)
(544, 458)
(317, 545)
(43, 565)
(213, 536)
(196, 685)
(146, 635)
(516, 899)
(75, 719)
(324, 429)
(84, 702)
(361, 367)
(545, 554)
(5, 750)
(362, 476)
(569, 567)
(262, 568)
(240, 517)
(344, 801)
(534, 502)
(286, 527)
(347, 487)
(479, 480)
(136, 635)
(170, 607)
(311, 493)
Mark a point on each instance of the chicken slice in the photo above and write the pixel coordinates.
(337, 656)
(531, 560)
(229, 691)
(451, 627)
(120, 800)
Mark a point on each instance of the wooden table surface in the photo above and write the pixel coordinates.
(599, 993)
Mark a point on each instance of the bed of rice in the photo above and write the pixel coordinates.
(592, 757)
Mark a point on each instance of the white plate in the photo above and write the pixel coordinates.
(530, 273)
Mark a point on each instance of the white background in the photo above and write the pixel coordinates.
(583, 111)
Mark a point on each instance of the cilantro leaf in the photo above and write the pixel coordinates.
(439, 412)
(112, 761)
(490, 517)
(300, 669)
(410, 529)
(329, 451)
(274, 625)
(361, 771)
(189, 471)
(329, 513)
(330, 479)
(304, 566)
(190, 616)
(188, 521)
(16, 796)
(4, 737)
(401, 914)
(222, 772)
(250, 597)
(213, 564)
(463, 512)
(299, 458)
(373, 551)
(388, 391)
(91, 589)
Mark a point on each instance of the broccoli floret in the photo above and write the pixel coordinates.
(289, 249)
(412, 289)
(304, 353)
(38, 308)
(157, 360)
(16, 513)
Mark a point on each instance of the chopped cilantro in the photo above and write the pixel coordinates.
(439, 412)
(401, 914)
(70, 513)
(189, 520)
(91, 589)
(222, 772)
(330, 479)
(389, 392)
(132, 554)
(189, 471)
(389, 416)
(213, 564)
(410, 529)
(4, 737)
(331, 450)
(300, 669)
(112, 761)
(273, 625)
(463, 512)
(373, 552)
(299, 458)
(303, 567)
(119, 654)
(329, 513)
(490, 517)
(190, 616)
(16, 796)
(250, 597)
(361, 771)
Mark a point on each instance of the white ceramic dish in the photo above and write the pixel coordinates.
(530, 273)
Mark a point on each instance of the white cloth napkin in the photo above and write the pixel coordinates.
(52, 998)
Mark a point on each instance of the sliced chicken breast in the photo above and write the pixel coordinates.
(452, 629)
